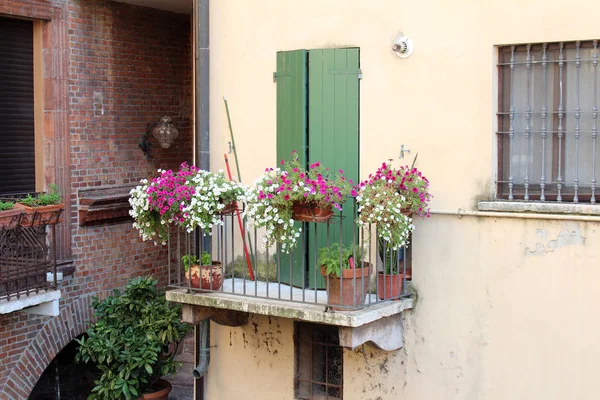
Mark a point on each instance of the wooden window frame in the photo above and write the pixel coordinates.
(303, 329)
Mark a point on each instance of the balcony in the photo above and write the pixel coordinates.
(244, 278)
(28, 276)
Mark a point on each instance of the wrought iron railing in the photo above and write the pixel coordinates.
(27, 255)
(27, 251)
(295, 277)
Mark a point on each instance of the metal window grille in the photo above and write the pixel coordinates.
(319, 362)
(547, 121)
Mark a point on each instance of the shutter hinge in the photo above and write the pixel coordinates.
(354, 71)
(280, 75)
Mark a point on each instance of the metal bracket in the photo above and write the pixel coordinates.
(402, 151)
(356, 72)
(229, 143)
(279, 75)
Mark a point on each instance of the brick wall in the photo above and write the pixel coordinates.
(127, 67)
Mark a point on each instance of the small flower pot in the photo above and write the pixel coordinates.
(10, 219)
(203, 276)
(38, 216)
(310, 212)
(348, 292)
(230, 208)
(162, 387)
(389, 286)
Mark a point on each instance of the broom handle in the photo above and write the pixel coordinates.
(241, 227)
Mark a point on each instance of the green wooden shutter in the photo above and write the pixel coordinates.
(291, 78)
(333, 133)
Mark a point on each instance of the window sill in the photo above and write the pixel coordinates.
(539, 207)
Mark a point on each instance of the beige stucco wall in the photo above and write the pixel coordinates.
(508, 308)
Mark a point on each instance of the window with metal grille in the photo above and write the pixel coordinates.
(547, 121)
(319, 362)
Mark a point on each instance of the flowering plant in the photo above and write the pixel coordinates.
(190, 198)
(212, 193)
(389, 197)
(270, 203)
(159, 202)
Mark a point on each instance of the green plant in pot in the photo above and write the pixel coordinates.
(391, 277)
(9, 215)
(41, 209)
(133, 342)
(346, 275)
(203, 272)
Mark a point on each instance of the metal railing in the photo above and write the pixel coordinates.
(27, 255)
(548, 121)
(294, 277)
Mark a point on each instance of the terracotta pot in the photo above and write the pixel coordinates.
(162, 387)
(352, 297)
(201, 276)
(229, 208)
(10, 219)
(37, 216)
(389, 286)
(310, 212)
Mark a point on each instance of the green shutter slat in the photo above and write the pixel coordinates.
(291, 78)
(333, 130)
(291, 104)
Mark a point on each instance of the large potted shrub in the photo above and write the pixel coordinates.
(294, 193)
(346, 275)
(133, 342)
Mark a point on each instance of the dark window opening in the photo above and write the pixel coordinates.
(66, 379)
(17, 131)
(319, 362)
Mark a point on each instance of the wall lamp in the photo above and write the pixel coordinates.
(163, 131)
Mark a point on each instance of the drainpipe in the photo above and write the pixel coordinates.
(201, 17)
(202, 333)
(202, 160)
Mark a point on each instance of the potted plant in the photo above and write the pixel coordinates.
(214, 196)
(293, 193)
(203, 273)
(156, 204)
(188, 198)
(41, 209)
(389, 199)
(9, 215)
(133, 342)
(346, 275)
(390, 278)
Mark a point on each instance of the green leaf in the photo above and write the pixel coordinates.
(148, 368)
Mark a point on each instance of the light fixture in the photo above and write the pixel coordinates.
(165, 132)
(402, 46)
